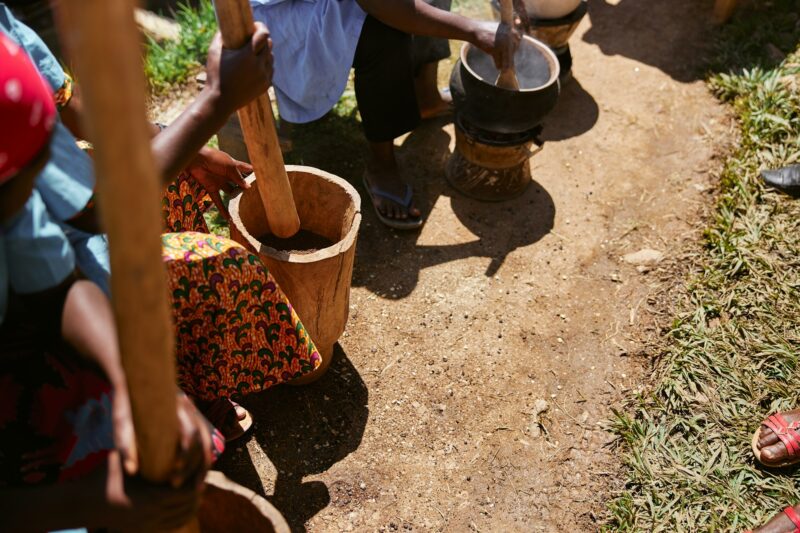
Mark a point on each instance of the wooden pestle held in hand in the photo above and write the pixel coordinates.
(258, 125)
(508, 77)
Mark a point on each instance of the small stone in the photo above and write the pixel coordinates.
(539, 407)
(644, 257)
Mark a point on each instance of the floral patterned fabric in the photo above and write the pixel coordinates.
(64, 94)
(55, 413)
(236, 331)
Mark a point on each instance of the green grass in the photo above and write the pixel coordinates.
(173, 62)
(731, 355)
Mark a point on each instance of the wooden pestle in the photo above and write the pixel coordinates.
(258, 125)
(723, 10)
(129, 188)
(508, 77)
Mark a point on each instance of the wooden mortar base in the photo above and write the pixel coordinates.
(227, 507)
(318, 283)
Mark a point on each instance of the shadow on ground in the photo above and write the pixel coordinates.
(575, 113)
(389, 262)
(649, 31)
(304, 431)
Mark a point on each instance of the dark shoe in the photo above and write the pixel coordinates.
(786, 179)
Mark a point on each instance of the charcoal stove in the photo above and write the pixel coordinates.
(497, 129)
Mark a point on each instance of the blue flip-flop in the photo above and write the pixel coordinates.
(404, 201)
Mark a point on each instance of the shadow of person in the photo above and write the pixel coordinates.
(671, 36)
(389, 262)
(504, 227)
(304, 431)
(575, 113)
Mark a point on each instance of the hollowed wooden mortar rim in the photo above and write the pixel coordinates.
(227, 507)
(341, 243)
(318, 283)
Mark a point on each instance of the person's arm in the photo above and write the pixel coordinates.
(234, 78)
(418, 18)
(72, 112)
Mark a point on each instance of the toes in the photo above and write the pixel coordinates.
(774, 453)
(767, 438)
(241, 412)
(414, 212)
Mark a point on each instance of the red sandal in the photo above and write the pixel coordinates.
(788, 435)
(223, 414)
(792, 515)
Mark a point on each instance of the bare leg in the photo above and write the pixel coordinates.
(432, 102)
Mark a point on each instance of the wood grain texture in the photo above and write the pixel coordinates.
(723, 10)
(227, 508)
(318, 283)
(258, 124)
(508, 77)
(129, 189)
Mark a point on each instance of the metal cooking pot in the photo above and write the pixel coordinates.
(551, 9)
(481, 103)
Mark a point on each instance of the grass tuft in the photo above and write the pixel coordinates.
(174, 62)
(731, 355)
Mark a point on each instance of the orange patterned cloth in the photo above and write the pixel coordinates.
(64, 94)
(236, 331)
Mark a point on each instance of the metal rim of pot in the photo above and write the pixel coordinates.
(546, 50)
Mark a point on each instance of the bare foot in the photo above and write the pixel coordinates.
(285, 130)
(773, 450)
(780, 523)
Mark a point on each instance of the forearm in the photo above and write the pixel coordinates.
(418, 18)
(87, 324)
(175, 147)
(72, 117)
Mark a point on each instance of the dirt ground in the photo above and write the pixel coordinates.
(460, 334)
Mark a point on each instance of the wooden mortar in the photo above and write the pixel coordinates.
(318, 283)
(228, 507)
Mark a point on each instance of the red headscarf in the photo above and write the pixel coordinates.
(27, 110)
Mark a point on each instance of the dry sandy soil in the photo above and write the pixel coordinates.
(427, 419)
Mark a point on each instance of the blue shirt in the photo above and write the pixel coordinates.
(314, 43)
(44, 60)
(66, 184)
(35, 254)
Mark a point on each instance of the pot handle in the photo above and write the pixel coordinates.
(536, 137)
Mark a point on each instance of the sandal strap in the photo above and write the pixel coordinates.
(790, 512)
(786, 432)
(403, 201)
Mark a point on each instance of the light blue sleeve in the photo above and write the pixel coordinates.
(91, 256)
(42, 57)
(67, 182)
(38, 254)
